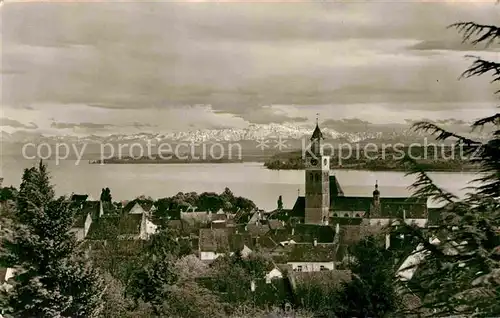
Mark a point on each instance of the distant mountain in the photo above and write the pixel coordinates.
(294, 135)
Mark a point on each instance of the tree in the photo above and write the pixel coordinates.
(106, 195)
(280, 203)
(51, 278)
(370, 293)
(460, 273)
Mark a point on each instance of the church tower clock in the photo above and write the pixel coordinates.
(317, 194)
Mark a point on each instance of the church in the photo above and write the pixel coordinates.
(324, 201)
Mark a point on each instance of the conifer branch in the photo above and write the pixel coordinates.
(481, 32)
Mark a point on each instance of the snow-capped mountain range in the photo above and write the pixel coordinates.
(252, 132)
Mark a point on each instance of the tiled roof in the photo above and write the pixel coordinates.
(257, 229)
(91, 207)
(266, 242)
(304, 233)
(237, 241)
(324, 279)
(394, 207)
(275, 224)
(80, 198)
(104, 228)
(351, 204)
(309, 232)
(335, 188)
(310, 253)
(214, 240)
(146, 205)
(281, 215)
(130, 224)
(350, 234)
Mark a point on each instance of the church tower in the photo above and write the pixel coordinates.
(317, 194)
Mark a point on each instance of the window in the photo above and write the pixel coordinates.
(322, 268)
(299, 268)
(324, 162)
(346, 215)
(357, 215)
(317, 176)
(312, 177)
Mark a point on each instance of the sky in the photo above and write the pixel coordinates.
(125, 67)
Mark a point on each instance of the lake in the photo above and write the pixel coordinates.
(249, 180)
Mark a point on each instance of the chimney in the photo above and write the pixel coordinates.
(337, 229)
(376, 194)
(252, 285)
(293, 231)
(246, 228)
(404, 215)
(387, 241)
(315, 242)
(283, 223)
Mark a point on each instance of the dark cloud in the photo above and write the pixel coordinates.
(266, 115)
(94, 126)
(81, 125)
(235, 57)
(16, 124)
(453, 45)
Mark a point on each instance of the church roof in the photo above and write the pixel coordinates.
(411, 208)
(351, 204)
(317, 134)
(335, 188)
(299, 208)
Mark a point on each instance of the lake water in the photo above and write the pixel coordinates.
(249, 180)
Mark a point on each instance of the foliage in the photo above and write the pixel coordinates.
(169, 207)
(460, 273)
(8, 193)
(51, 279)
(190, 267)
(280, 203)
(370, 293)
(106, 195)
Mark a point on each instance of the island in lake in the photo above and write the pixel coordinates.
(445, 159)
(432, 159)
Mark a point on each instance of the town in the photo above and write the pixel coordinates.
(309, 242)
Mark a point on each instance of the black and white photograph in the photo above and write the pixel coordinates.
(249, 159)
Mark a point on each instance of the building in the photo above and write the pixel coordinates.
(324, 201)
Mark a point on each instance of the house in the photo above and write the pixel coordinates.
(275, 273)
(82, 224)
(135, 226)
(214, 243)
(5, 275)
(138, 206)
(310, 258)
(88, 212)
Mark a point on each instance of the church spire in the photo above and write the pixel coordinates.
(317, 134)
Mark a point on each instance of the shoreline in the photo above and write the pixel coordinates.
(356, 168)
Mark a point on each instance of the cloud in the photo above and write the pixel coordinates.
(453, 45)
(80, 125)
(267, 115)
(149, 62)
(16, 124)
